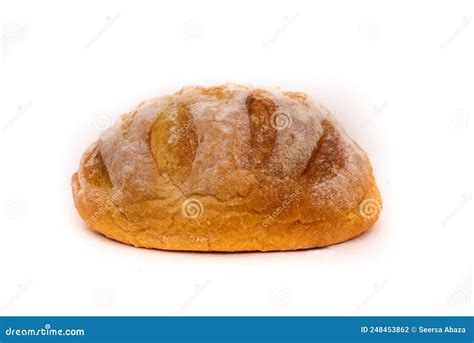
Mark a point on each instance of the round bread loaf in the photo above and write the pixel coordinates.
(228, 168)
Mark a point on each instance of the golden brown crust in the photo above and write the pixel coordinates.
(227, 168)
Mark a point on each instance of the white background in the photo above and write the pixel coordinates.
(399, 76)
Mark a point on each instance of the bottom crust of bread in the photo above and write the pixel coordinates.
(94, 200)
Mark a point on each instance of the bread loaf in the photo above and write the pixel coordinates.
(228, 168)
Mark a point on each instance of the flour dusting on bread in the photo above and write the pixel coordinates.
(240, 151)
